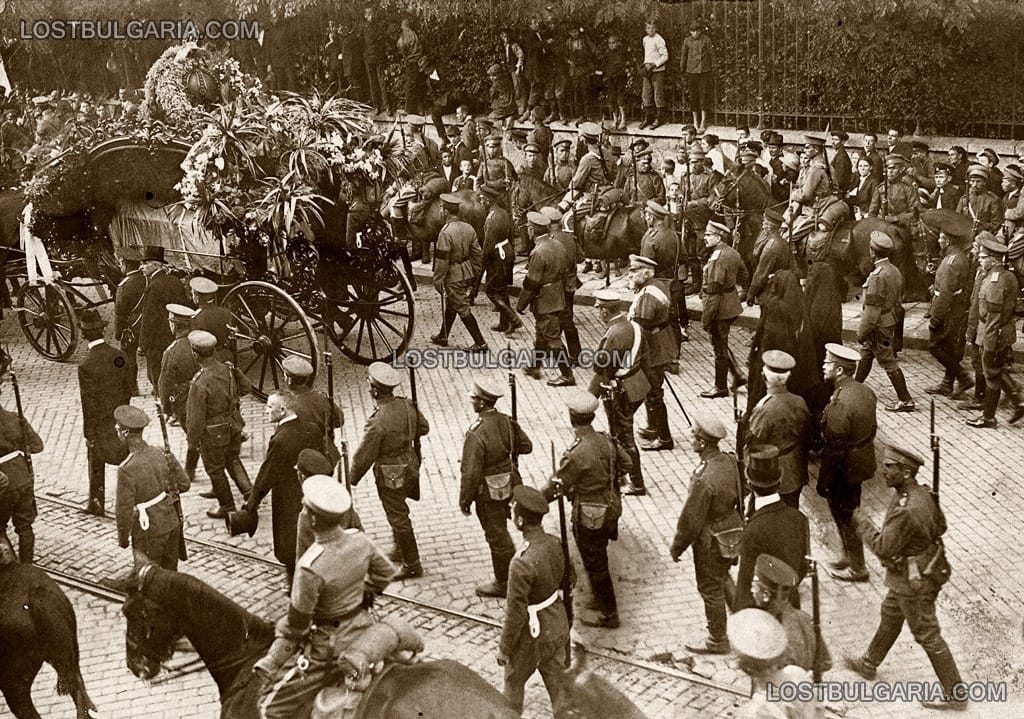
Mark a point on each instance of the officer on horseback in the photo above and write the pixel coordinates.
(812, 190)
(594, 172)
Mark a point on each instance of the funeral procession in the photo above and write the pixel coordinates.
(611, 359)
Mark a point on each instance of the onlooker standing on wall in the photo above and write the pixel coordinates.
(373, 60)
(655, 61)
(695, 61)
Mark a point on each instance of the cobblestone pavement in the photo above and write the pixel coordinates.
(982, 497)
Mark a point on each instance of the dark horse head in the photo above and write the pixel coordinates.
(591, 695)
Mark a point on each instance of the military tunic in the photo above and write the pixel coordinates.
(458, 261)
(899, 207)
(215, 319)
(724, 270)
(651, 310)
(947, 326)
(145, 516)
(883, 305)
(594, 171)
(997, 330)
(561, 176)
(567, 317)
(498, 255)
(649, 186)
(177, 369)
(782, 420)
(544, 291)
(213, 423)
(812, 188)
(128, 319)
(984, 209)
(18, 501)
(801, 642)
(313, 406)
(665, 247)
(775, 257)
(154, 332)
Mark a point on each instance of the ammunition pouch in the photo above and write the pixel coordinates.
(392, 476)
(497, 487)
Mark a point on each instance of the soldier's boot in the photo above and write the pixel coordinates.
(949, 677)
(97, 491)
(977, 402)
(565, 377)
(511, 319)
(904, 402)
(240, 477)
(502, 325)
(987, 419)
(411, 567)
(943, 388)
(1013, 392)
(395, 553)
(863, 369)
(604, 602)
(963, 383)
(479, 343)
(225, 499)
(572, 343)
(721, 388)
(441, 338)
(26, 545)
(499, 586)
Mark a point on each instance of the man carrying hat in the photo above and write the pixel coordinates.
(909, 545)
(458, 261)
(775, 527)
(879, 321)
(388, 446)
(104, 384)
(947, 323)
(535, 633)
(499, 258)
(894, 200)
(313, 406)
(328, 607)
(147, 482)
(309, 463)
(210, 316)
(651, 310)
(162, 289)
(711, 507)
(848, 427)
(980, 204)
(128, 298)
(490, 472)
(588, 476)
(723, 273)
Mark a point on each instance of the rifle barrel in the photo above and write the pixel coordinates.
(815, 616)
(21, 426)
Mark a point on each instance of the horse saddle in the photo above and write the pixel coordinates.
(799, 230)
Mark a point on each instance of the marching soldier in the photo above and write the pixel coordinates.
(723, 273)
(535, 633)
(146, 484)
(499, 257)
(388, 445)
(947, 325)
(560, 176)
(879, 321)
(214, 423)
(544, 293)
(312, 405)
(162, 289)
(894, 200)
(573, 255)
(710, 508)
(128, 311)
(489, 474)
(698, 187)
(309, 463)
(663, 245)
(458, 261)
(909, 545)
(210, 316)
(104, 384)
(588, 476)
(848, 427)
(781, 419)
(651, 309)
(178, 366)
(18, 501)
(979, 204)
(997, 331)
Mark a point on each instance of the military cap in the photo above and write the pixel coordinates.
(754, 145)
(895, 160)
(746, 151)
(778, 361)
(658, 209)
(487, 390)
(492, 192)
(906, 457)
(415, 120)
(202, 340)
(842, 135)
(774, 138)
(296, 366)
(492, 140)
(978, 171)
(384, 375)
(323, 494)
(756, 634)
(773, 571)
(773, 216)
(518, 134)
(530, 500)
(919, 145)
(311, 462)
(989, 242)
(696, 152)
(790, 161)
(944, 167)
(814, 140)
(880, 240)
(130, 417)
(717, 228)
(990, 154)
(639, 262)
(842, 355)
(566, 142)
(591, 131)
(763, 466)
(130, 253)
(1013, 172)
(482, 122)
(553, 213)
(532, 147)
(40, 100)
(641, 154)
(538, 219)
(605, 297)
(639, 144)
(203, 285)
(582, 403)
(180, 312)
(153, 253)
(451, 201)
(452, 131)
(709, 426)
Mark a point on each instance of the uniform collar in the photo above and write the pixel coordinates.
(584, 430)
(531, 533)
(326, 535)
(94, 343)
(778, 389)
(881, 261)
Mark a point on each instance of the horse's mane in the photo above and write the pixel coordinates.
(196, 598)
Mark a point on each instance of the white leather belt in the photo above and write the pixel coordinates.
(534, 611)
(11, 455)
(143, 514)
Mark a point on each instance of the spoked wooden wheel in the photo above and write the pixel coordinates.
(270, 326)
(47, 317)
(370, 322)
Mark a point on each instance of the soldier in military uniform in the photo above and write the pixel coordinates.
(782, 419)
(128, 311)
(723, 272)
(496, 170)
(178, 366)
(458, 261)
(646, 184)
(162, 289)
(698, 187)
(426, 155)
(214, 423)
(711, 507)
(595, 171)
(212, 317)
(573, 255)
(663, 245)
(909, 545)
(328, 607)
(812, 189)
(879, 321)
(980, 204)
(499, 257)
(18, 501)
(650, 310)
(848, 427)
(588, 476)
(388, 445)
(313, 406)
(947, 325)
(535, 633)
(996, 330)
(544, 293)
(560, 175)
(489, 474)
(773, 256)
(894, 200)
(309, 463)
(148, 483)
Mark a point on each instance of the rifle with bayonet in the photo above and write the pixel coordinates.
(936, 453)
(564, 536)
(741, 438)
(416, 435)
(172, 489)
(812, 567)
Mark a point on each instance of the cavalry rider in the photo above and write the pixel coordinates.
(979, 203)
(812, 190)
(596, 170)
(894, 200)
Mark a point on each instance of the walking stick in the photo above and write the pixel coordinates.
(812, 566)
(678, 402)
(566, 583)
(175, 496)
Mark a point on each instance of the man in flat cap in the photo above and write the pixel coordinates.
(535, 633)
(147, 483)
(848, 427)
(588, 476)
(665, 246)
(490, 472)
(309, 463)
(723, 273)
(775, 527)
(979, 204)
(128, 299)
(458, 261)
(879, 321)
(212, 317)
(498, 257)
(909, 545)
(162, 289)
(651, 311)
(947, 323)
(710, 508)
(388, 445)
(894, 200)
(104, 384)
(313, 406)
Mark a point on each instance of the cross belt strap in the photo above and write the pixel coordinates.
(11, 455)
(534, 611)
(634, 356)
(143, 514)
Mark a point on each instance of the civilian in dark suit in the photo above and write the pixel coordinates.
(842, 168)
(105, 384)
(946, 195)
(128, 311)
(774, 527)
(163, 289)
(874, 156)
(859, 195)
(277, 475)
(373, 60)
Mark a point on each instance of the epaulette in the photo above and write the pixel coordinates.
(904, 498)
(311, 555)
(196, 375)
(574, 443)
(475, 424)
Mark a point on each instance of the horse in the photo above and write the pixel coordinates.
(162, 606)
(530, 193)
(425, 222)
(37, 624)
(744, 199)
